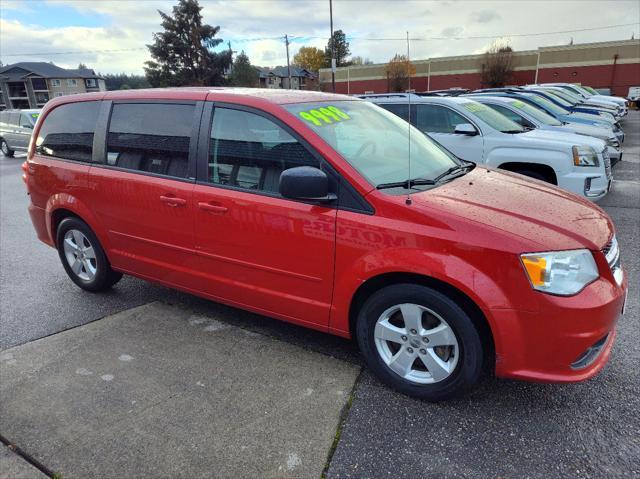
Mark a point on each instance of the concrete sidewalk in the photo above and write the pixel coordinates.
(157, 392)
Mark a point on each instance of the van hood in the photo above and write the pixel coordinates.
(563, 139)
(544, 217)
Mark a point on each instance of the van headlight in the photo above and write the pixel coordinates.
(585, 156)
(560, 272)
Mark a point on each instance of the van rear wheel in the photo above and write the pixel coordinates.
(4, 147)
(419, 341)
(83, 258)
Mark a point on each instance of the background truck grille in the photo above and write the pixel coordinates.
(607, 163)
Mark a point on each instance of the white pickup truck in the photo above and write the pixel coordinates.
(475, 132)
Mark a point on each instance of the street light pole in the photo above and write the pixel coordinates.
(333, 49)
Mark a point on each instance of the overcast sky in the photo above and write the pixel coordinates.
(56, 30)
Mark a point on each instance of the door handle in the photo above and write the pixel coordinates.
(173, 200)
(218, 209)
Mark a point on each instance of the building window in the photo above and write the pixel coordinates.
(39, 84)
(59, 93)
(42, 97)
(55, 82)
(91, 83)
(72, 82)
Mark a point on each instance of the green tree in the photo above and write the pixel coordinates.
(243, 73)
(341, 49)
(82, 66)
(361, 61)
(183, 53)
(122, 81)
(310, 58)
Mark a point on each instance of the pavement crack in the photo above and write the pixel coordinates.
(27, 457)
(344, 414)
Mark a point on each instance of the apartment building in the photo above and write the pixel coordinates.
(32, 84)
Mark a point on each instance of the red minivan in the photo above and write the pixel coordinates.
(332, 213)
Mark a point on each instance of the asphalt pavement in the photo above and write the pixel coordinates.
(502, 429)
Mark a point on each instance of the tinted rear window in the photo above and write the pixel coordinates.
(68, 130)
(151, 137)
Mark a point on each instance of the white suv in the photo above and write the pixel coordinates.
(477, 133)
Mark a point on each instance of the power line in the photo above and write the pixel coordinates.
(373, 39)
(487, 37)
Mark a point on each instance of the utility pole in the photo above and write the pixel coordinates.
(286, 41)
(333, 49)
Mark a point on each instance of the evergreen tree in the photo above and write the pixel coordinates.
(183, 53)
(341, 50)
(243, 73)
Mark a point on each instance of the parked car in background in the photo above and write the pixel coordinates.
(591, 96)
(300, 206)
(634, 95)
(475, 132)
(555, 110)
(528, 116)
(16, 127)
(558, 96)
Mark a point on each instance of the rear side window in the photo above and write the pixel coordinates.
(151, 137)
(68, 130)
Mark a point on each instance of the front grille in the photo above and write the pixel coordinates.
(607, 163)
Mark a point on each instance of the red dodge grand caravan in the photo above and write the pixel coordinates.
(303, 206)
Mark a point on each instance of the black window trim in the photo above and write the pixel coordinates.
(357, 203)
(99, 159)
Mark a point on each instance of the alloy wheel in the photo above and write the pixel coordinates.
(80, 255)
(4, 147)
(416, 343)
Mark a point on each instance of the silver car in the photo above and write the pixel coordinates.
(16, 127)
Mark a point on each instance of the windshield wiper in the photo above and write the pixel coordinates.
(406, 184)
(513, 132)
(452, 170)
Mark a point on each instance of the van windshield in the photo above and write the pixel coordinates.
(374, 141)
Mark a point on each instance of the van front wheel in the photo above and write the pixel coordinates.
(419, 341)
(82, 256)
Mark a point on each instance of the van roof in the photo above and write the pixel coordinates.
(275, 96)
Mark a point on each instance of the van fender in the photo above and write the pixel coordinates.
(78, 208)
(442, 266)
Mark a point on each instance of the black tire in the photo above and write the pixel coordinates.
(104, 277)
(6, 151)
(469, 366)
(536, 175)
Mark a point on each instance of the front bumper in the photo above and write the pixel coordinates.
(592, 183)
(551, 344)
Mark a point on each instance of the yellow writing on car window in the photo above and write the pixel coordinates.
(324, 115)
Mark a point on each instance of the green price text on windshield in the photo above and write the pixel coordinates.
(325, 115)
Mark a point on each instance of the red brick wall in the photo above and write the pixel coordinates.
(626, 75)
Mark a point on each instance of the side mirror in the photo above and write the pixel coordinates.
(305, 183)
(465, 129)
